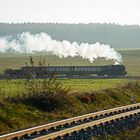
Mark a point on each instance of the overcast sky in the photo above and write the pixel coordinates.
(71, 11)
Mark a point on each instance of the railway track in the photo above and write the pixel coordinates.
(65, 128)
(84, 77)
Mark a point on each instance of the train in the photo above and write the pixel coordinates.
(66, 72)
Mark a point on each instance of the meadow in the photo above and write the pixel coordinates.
(14, 87)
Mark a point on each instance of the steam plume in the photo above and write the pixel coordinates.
(29, 43)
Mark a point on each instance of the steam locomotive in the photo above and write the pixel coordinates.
(66, 71)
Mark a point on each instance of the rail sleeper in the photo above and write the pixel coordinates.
(86, 125)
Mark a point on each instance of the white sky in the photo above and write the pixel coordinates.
(71, 11)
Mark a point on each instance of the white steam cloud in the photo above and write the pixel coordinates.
(29, 43)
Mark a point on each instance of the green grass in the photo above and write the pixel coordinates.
(19, 116)
(21, 112)
(131, 59)
(85, 85)
(14, 87)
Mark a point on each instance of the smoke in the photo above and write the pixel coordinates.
(29, 43)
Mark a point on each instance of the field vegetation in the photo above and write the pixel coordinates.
(14, 87)
(26, 103)
(50, 101)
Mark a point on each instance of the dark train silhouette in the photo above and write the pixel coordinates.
(66, 71)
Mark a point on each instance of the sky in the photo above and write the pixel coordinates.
(71, 11)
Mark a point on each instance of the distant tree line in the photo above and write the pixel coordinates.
(115, 35)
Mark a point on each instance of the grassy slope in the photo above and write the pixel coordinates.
(131, 59)
(18, 115)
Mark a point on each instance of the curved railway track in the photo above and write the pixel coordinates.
(65, 128)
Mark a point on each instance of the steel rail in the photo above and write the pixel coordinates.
(86, 125)
(67, 121)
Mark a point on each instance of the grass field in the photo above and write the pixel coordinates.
(13, 87)
(131, 59)
(34, 108)
(87, 85)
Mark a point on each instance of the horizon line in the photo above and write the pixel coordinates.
(72, 23)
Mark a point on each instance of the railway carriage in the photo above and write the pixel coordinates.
(67, 71)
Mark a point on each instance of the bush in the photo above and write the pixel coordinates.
(47, 94)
